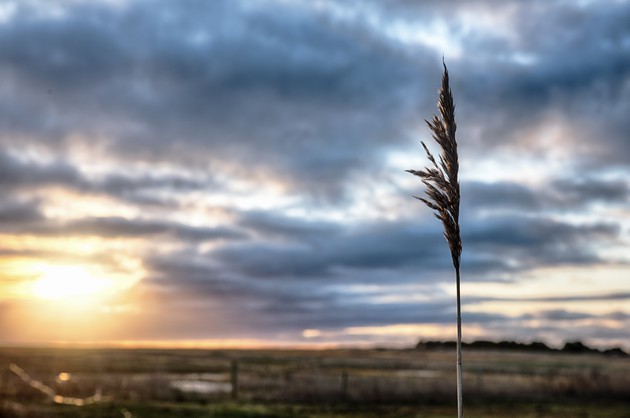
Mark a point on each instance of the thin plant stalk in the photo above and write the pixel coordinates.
(442, 196)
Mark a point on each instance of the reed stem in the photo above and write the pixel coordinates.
(460, 401)
(442, 195)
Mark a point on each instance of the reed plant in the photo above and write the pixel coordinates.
(442, 196)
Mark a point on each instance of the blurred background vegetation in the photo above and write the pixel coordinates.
(500, 379)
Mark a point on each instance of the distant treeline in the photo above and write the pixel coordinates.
(575, 347)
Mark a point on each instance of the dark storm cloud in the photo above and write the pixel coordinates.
(498, 244)
(517, 231)
(572, 45)
(571, 192)
(187, 277)
(561, 194)
(580, 65)
(261, 313)
(20, 175)
(499, 195)
(16, 173)
(583, 298)
(270, 225)
(13, 213)
(197, 287)
(344, 314)
(528, 243)
(305, 88)
(381, 245)
(558, 315)
(288, 281)
(124, 185)
(270, 309)
(121, 227)
(116, 227)
(26, 217)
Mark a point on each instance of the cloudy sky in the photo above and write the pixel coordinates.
(232, 172)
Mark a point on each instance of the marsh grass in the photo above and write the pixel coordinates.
(442, 196)
(382, 383)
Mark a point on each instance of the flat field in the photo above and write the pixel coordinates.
(143, 383)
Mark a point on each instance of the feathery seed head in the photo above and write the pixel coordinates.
(441, 180)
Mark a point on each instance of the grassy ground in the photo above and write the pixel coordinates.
(235, 410)
(288, 384)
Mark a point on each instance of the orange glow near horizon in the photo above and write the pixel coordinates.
(210, 344)
(66, 295)
(64, 268)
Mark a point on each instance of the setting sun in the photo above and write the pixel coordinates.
(62, 282)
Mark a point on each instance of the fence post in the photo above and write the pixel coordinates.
(234, 379)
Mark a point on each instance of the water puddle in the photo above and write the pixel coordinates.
(201, 386)
(418, 373)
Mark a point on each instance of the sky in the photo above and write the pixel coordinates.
(232, 172)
